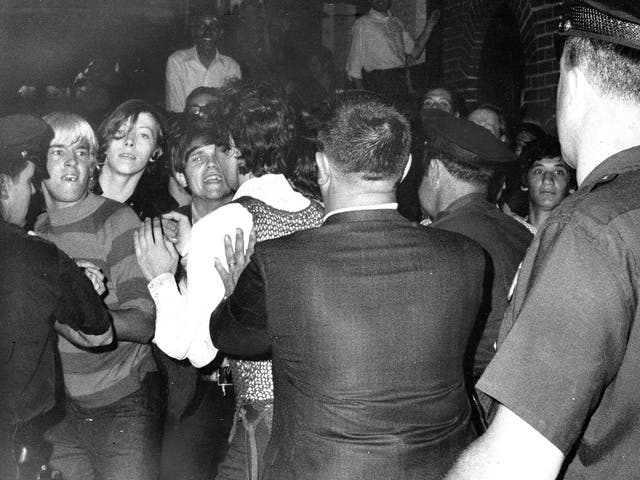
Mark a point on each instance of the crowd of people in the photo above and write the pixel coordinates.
(257, 284)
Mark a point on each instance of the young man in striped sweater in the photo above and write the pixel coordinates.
(111, 428)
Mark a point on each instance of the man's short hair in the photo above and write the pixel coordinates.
(263, 125)
(130, 109)
(182, 142)
(479, 176)
(613, 69)
(366, 136)
(71, 129)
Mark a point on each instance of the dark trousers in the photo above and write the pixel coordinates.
(120, 441)
(391, 83)
(193, 446)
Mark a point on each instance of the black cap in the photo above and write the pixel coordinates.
(24, 136)
(615, 21)
(463, 141)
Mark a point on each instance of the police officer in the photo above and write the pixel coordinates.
(566, 373)
(460, 161)
(42, 292)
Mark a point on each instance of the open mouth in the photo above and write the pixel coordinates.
(212, 178)
(127, 156)
(70, 177)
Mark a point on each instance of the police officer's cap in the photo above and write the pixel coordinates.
(615, 21)
(24, 136)
(463, 141)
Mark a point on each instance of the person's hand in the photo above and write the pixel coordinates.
(177, 229)
(434, 18)
(237, 259)
(155, 253)
(94, 274)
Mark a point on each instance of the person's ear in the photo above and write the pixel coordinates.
(324, 170)
(156, 154)
(181, 179)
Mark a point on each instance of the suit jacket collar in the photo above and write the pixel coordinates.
(364, 216)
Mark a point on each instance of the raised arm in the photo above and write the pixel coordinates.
(424, 37)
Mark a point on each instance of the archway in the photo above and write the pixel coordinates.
(502, 73)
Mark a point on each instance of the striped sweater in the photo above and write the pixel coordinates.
(100, 231)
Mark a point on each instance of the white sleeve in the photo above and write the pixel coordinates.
(174, 89)
(171, 336)
(205, 287)
(356, 52)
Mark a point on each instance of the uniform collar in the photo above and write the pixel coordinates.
(469, 199)
(624, 161)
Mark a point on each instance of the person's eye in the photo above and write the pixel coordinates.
(82, 153)
(145, 135)
(560, 172)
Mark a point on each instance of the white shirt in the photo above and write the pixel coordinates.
(379, 42)
(185, 73)
(183, 314)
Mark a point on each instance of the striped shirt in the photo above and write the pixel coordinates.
(100, 231)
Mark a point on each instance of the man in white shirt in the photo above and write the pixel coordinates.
(182, 319)
(379, 49)
(200, 65)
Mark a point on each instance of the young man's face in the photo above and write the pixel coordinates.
(69, 168)
(381, 5)
(206, 31)
(130, 152)
(487, 119)
(548, 182)
(440, 99)
(15, 202)
(204, 174)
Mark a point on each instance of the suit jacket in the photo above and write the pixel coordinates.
(367, 333)
(506, 241)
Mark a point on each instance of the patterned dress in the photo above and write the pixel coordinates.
(253, 379)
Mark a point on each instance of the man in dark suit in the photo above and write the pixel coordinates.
(362, 318)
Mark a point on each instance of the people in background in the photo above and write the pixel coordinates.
(379, 48)
(201, 65)
(490, 117)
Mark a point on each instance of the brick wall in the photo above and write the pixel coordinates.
(465, 25)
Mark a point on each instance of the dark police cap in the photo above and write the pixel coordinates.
(615, 21)
(463, 141)
(24, 136)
